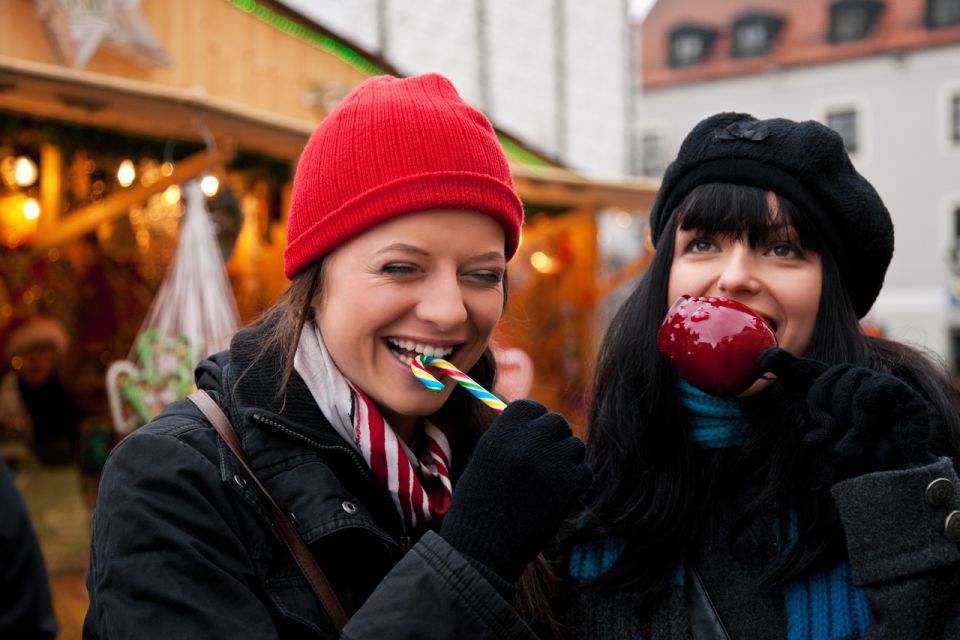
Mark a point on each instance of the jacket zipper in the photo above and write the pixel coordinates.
(358, 463)
(406, 542)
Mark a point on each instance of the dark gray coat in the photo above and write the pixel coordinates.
(183, 548)
(903, 553)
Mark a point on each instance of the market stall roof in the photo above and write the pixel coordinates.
(143, 108)
(161, 111)
(557, 187)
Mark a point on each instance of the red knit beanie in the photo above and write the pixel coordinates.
(396, 146)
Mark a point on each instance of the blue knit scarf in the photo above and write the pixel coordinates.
(714, 422)
(823, 606)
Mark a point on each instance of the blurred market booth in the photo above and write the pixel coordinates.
(111, 112)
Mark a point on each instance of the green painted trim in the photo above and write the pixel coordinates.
(518, 153)
(317, 39)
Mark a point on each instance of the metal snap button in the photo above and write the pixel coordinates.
(348, 506)
(952, 527)
(939, 493)
(240, 481)
(292, 517)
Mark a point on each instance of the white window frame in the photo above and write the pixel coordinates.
(659, 129)
(860, 105)
(950, 227)
(948, 91)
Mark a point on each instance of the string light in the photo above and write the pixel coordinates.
(542, 262)
(171, 195)
(19, 171)
(126, 173)
(31, 209)
(26, 171)
(18, 220)
(209, 185)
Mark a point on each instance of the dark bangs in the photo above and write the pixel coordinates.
(737, 210)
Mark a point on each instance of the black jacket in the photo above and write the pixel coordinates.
(25, 609)
(183, 548)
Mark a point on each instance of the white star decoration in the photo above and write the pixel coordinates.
(77, 28)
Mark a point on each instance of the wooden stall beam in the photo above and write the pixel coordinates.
(560, 187)
(51, 188)
(85, 220)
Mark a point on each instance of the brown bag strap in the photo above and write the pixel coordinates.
(298, 548)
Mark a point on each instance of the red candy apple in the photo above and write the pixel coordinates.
(715, 343)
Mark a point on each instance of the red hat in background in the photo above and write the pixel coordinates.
(396, 146)
(28, 332)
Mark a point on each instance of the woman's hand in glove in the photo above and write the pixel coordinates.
(526, 474)
(864, 420)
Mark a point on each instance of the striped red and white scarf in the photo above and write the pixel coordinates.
(419, 483)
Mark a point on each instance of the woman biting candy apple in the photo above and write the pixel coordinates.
(743, 491)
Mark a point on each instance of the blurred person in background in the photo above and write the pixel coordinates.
(39, 414)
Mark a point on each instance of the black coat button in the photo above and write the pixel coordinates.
(952, 527)
(939, 493)
(240, 481)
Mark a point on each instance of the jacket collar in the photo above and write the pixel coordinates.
(294, 451)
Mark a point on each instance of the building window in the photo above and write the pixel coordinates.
(955, 118)
(942, 13)
(753, 34)
(844, 122)
(648, 154)
(852, 20)
(690, 45)
(955, 247)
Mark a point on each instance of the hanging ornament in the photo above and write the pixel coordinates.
(193, 314)
(77, 28)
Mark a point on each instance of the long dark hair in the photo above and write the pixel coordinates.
(654, 488)
(294, 309)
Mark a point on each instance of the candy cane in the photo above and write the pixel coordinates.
(419, 369)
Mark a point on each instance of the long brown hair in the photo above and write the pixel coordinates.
(294, 309)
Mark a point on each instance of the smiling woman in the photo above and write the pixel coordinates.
(784, 505)
(437, 294)
(402, 219)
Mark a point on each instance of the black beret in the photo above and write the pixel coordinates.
(803, 161)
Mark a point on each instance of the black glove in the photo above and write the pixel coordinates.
(862, 419)
(524, 478)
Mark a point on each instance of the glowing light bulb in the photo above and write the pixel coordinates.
(31, 209)
(25, 171)
(171, 195)
(18, 171)
(209, 185)
(126, 173)
(542, 262)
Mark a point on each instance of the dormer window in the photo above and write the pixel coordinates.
(690, 45)
(852, 20)
(943, 13)
(844, 122)
(753, 34)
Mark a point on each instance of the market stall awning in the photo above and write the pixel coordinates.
(557, 187)
(143, 108)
